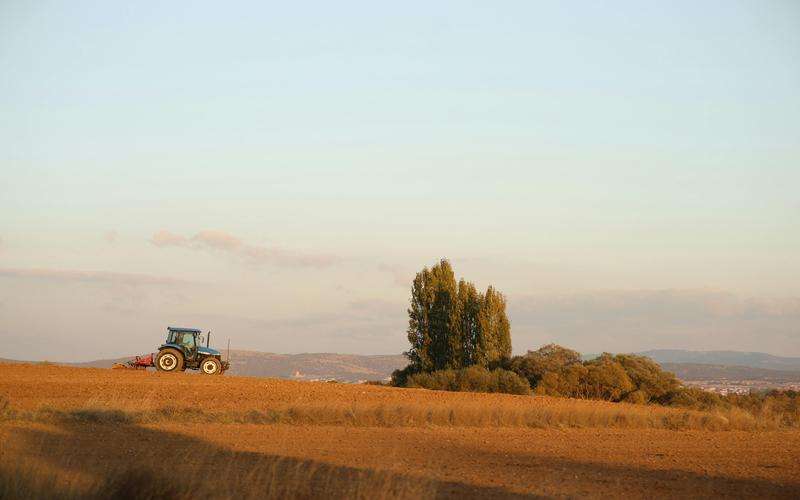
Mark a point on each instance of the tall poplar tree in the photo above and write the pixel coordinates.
(419, 323)
(470, 301)
(452, 325)
(493, 342)
(445, 311)
(433, 316)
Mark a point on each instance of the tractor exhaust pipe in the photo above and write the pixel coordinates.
(208, 339)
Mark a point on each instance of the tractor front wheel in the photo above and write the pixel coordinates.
(169, 360)
(211, 366)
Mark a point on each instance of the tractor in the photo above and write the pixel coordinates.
(183, 349)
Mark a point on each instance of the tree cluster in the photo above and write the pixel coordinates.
(461, 341)
(557, 371)
(452, 325)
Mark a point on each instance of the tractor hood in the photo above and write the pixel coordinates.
(207, 351)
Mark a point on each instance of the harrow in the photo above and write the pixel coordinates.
(137, 363)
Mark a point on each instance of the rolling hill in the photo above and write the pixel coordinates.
(699, 371)
(687, 365)
(307, 366)
(728, 358)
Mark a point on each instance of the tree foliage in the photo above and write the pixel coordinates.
(651, 381)
(557, 371)
(472, 379)
(452, 325)
(551, 358)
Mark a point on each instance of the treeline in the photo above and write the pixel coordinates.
(461, 341)
(557, 371)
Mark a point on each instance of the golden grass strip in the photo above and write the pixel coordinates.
(568, 414)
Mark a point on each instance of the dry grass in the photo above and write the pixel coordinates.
(565, 414)
(57, 395)
(47, 394)
(212, 476)
(203, 471)
(69, 433)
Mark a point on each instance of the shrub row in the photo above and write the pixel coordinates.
(557, 371)
(472, 379)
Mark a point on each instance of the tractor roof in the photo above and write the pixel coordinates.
(178, 329)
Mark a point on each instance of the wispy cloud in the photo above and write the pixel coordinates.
(354, 329)
(254, 254)
(401, 277)
(71, 275)
(644, 319)
(379, 307)
(110, 236)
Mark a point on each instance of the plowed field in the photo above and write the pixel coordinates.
(243, 436)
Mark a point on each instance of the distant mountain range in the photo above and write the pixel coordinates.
(324, 366)
(699, 371)
(687, 365)
(751, 359)
(309, 366)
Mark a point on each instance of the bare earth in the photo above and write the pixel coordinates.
(462, 461)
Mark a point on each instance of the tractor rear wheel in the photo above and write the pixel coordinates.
(169, 360)
(211, 366)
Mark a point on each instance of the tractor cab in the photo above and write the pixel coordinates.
(184, 349)
(185, 340)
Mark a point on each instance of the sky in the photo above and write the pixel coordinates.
(627, 173)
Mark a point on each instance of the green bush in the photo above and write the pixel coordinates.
(694, 398)
(509, 382)
(653, 383)
(472, 379)
(552, 358)
(637, 397)
(557, 371)
(400, 377)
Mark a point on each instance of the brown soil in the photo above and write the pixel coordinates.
(29, 386)
(459, 461)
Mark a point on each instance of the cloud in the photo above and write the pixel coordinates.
(253, 254)
(216, 240)
(645, 319)
(286, 258)
(167, 239)
(400, 277)
(379, 307)
(70, 275)
(110, 236)
(352, 329)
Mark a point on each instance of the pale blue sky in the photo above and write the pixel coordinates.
(559, 150)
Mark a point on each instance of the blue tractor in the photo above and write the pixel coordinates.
(184, 349)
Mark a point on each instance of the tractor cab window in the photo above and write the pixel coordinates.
(185, 339)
